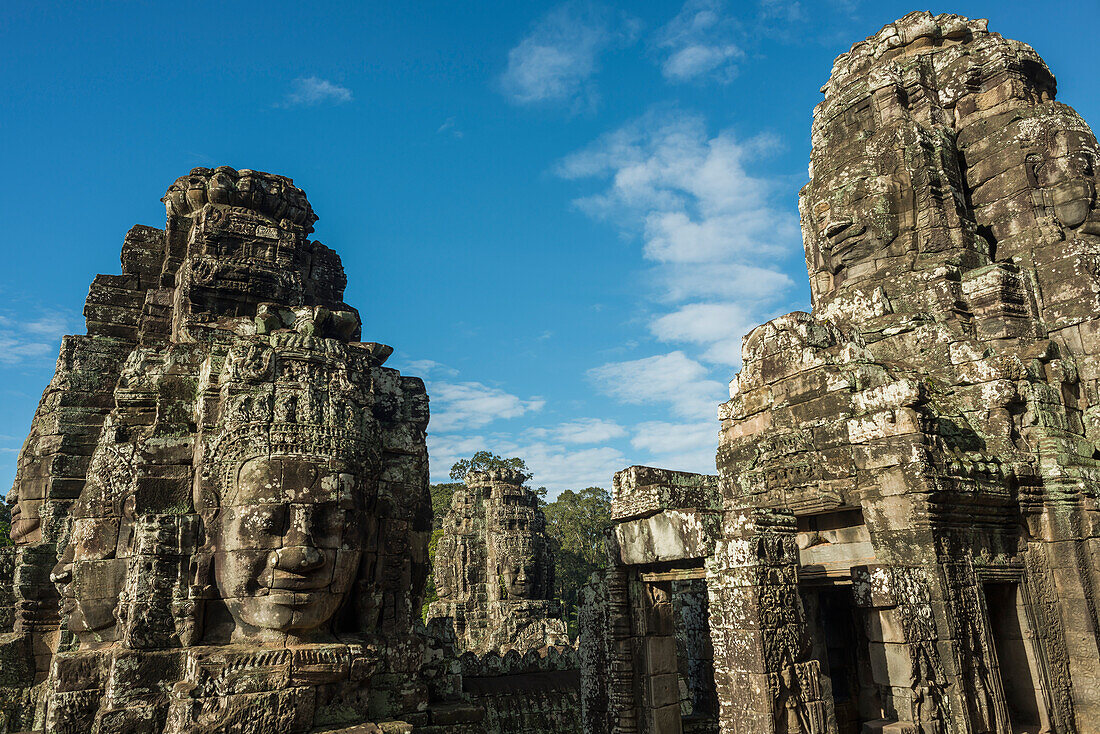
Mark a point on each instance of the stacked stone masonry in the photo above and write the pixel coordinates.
(494, 571)
(902, 533)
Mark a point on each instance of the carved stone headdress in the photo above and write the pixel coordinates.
(287, 400)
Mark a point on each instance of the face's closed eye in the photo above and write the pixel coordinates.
(271, 519)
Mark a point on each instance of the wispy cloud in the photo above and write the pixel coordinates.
(449, 127)
(555, 62)
(716, 239)
(26, 338)
(311, 91)
(465, 405)
(554, 465)
(582, 431)
(673, 380)
(426, 367)
(699, 43)
(717, 326)
(687, 446)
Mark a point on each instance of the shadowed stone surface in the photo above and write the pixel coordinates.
(902, 536)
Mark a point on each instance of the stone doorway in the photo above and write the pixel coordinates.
(1020, 666)
(695, 657)
(842, 645)
(678, 691)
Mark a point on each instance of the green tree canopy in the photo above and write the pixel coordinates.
(576, 523)
(485, 460)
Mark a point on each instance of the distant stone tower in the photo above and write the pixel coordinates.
(494, 568)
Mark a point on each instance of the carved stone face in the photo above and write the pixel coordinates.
(854, 218)
(517, 577)
(287, 546)
(1066, 176)
(92, 571)
(26, 522)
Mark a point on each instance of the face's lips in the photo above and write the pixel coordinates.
(841, 233)
(283, 581)
(21, 527)
(286, 598)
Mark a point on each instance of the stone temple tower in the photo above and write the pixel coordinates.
(221, 511)
(902, 535)
(494, 570)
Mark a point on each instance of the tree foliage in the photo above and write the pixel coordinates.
(576, 523)
(485, 460)
(5, 525)
(442, 494)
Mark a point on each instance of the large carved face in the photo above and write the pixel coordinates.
(92, 570)
(518, 577)
(854, 217)
(516, 564)
(1065, 174)
(287, 545)
(26, 520)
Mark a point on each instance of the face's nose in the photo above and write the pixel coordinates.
(298, 558)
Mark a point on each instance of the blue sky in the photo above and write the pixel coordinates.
(563, 216)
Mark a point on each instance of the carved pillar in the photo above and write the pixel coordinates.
(765, 680)
(620, 684)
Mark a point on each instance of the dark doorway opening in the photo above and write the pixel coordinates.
(842, 646)
(1016, 658)
(695, 657)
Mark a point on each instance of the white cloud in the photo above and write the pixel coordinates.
(684, 281)
(699, 42)
(673, 379)
(555, 62)
(473, 405)
(450, 126)
(312, 90)
(13, 349)
(689, 194)
(24, 338)
(425, 367)
(553, 465)
(719, 326)
(582, 430)
(445, 450)
(710, 227)
(683, 446)
(558, 468)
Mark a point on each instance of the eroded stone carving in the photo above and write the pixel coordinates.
(495, 569)
(238, 520)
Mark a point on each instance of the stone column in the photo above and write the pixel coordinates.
(765, 680)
